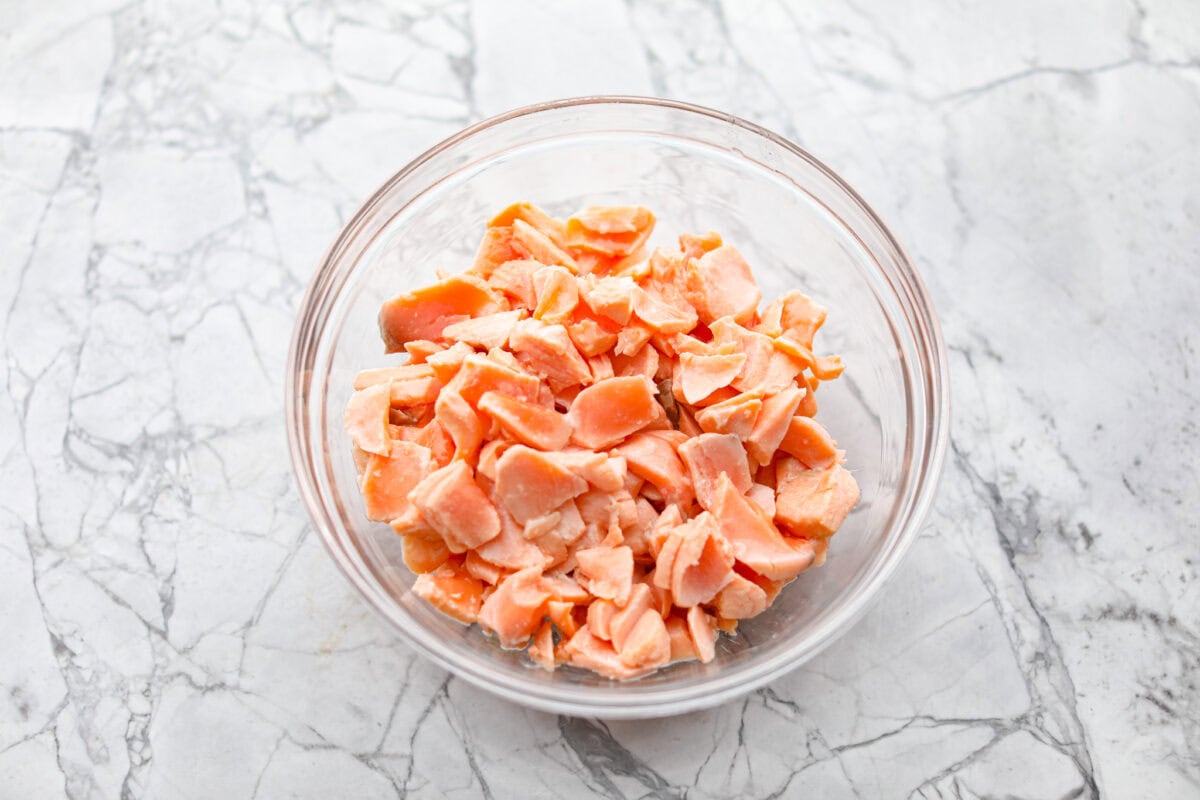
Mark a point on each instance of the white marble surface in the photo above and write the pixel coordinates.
(169, 174)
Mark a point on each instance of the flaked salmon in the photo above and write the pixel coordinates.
(601, 452)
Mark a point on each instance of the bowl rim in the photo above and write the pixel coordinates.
(927, 335)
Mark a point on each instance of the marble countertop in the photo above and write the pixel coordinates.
(170, 172)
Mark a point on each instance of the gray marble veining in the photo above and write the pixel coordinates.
(169, 173)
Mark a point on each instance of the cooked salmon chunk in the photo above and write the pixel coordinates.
(712, 456)
(527, 423)
(424, 313)
(597, 450)
(516, 608)
(813, 503)
(387, 480)
(452, 591)
(452, 503)
(604, 414)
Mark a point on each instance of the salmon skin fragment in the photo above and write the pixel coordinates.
(424, 313)
(600, 452)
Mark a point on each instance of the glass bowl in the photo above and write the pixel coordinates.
(799, 226)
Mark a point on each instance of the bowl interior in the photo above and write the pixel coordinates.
(798, 229)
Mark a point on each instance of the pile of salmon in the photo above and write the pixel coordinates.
(604, 454)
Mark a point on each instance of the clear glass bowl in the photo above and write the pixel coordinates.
(798, 224)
